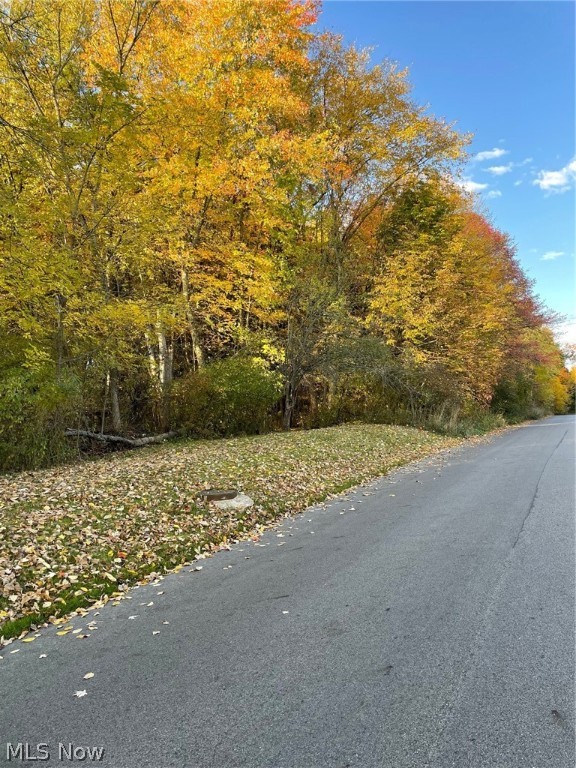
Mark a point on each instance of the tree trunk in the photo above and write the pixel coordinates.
(196, 346)
(165, 357)
(152, 363)
(288, 406)
(104, 404)
(115, 401)
(60, 304)
(165, 363)
(137, 442)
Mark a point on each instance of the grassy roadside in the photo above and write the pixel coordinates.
(70, 536)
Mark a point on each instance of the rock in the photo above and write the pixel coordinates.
(239, 503)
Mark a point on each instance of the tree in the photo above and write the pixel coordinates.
(184, 182)
(449, 293)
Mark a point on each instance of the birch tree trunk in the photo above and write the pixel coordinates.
(152, 362)
(115, 401)
(194, 335)
(165, 365)
(165, 357)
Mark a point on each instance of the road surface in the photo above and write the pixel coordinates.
(424, 621)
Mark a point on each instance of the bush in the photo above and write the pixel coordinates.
(531, 396)
(35, 409)
(473, 420)
(228, 397)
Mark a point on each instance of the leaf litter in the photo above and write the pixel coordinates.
(74, 537)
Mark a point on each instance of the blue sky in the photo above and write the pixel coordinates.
(504, 71)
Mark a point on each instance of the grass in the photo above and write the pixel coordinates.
(73, 535)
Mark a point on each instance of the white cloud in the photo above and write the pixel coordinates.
(551, 255)
(557, 181)
(494, 193)
(471, 186)
(518, 182)
(490, 154)
(499, 170)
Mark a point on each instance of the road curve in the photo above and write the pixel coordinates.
(424, 621)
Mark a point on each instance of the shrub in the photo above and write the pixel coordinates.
(35, 409)
(227, 397)
(472, 420)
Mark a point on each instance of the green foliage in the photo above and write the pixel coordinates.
(354, 378)
(571, 405)
(533, 393)
(232, 396)
(473, 421)
(35, 409)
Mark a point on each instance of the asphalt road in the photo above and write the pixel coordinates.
(424, 621)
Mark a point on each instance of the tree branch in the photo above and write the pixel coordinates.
(137, 442)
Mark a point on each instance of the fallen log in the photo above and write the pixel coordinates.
(137, 442)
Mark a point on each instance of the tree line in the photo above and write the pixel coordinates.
(216, 219)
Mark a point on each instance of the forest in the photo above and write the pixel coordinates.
(217, 220)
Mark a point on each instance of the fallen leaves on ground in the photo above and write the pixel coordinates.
(71, 535)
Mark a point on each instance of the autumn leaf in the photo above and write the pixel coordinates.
(281, 472)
